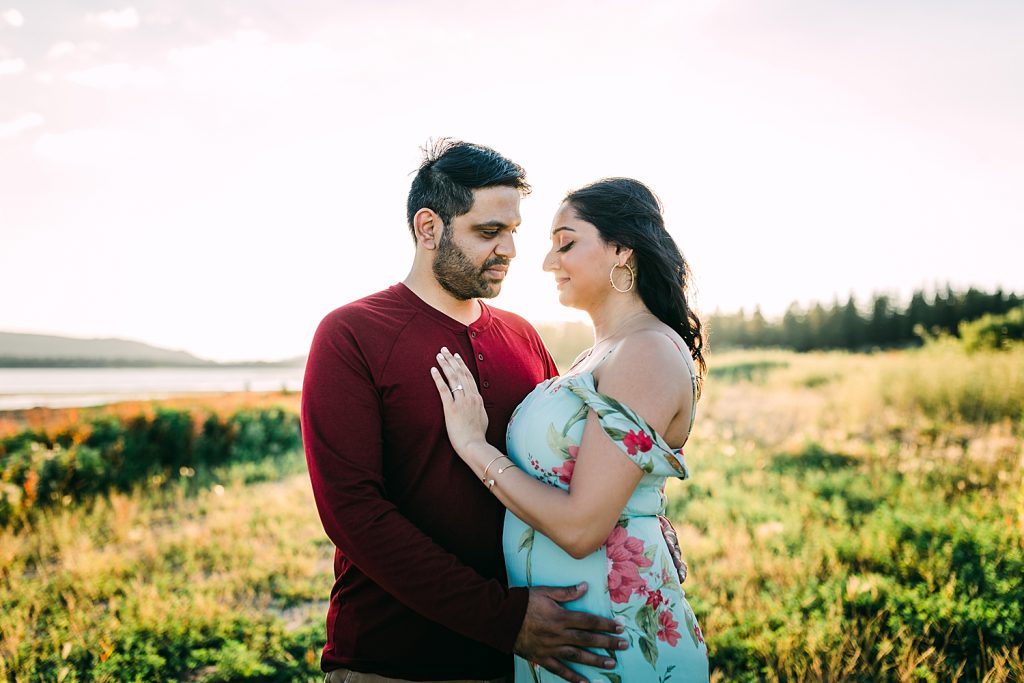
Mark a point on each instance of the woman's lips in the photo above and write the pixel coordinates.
(559, 281)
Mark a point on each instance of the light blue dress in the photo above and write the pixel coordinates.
(633, 577)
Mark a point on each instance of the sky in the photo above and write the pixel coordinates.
(217, 175)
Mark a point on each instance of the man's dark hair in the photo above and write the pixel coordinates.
(451, 170)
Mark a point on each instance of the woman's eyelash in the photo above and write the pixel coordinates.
(566, 248)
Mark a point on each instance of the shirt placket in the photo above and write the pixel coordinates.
(478, 343)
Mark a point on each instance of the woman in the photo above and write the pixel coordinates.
(589, 452)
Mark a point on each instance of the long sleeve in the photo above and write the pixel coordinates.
(342, 429)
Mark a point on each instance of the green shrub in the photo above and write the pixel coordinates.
(264, 433)
(20, 440)
(993, 332)
(213, 445)
(182, 647)
(36, 471)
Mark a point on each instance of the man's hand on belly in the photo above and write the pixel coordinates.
(552, 635)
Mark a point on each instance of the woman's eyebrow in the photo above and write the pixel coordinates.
(558, 230)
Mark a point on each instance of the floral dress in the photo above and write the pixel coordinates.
(634, 577)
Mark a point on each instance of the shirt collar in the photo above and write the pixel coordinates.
(479, 325)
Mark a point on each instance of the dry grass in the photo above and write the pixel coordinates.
(139, 561)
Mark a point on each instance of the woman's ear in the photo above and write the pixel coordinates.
(624, 254)
(427, 226)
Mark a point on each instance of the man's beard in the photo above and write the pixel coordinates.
(457, 274)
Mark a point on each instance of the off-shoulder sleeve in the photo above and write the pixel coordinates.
(630, 432)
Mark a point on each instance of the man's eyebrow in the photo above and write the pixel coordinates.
(558, 230)
(492, 224)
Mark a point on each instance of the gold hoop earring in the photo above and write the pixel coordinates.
(632, 278)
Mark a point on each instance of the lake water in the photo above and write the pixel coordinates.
(67, 387)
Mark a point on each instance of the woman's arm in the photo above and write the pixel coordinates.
(645, 373)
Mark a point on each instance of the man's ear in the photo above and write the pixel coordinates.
(427, 226)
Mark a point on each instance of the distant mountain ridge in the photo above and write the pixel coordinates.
(41, 350)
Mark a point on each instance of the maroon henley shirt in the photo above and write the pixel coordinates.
(420, 591)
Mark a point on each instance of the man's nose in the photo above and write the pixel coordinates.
(506, 246)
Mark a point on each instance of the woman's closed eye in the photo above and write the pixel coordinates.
(566, 247)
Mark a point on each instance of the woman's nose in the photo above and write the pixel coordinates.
(550, 261)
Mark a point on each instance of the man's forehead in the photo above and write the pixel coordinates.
(496, 203)
(496, 194)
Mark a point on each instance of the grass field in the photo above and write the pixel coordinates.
(858, 517)
(850, 518)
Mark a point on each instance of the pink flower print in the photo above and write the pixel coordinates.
(565, 471)
(655, 599)
(696, 632)
(667, 629)
(625, 557)
(637, 440)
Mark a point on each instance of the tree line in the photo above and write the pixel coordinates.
(882, 322)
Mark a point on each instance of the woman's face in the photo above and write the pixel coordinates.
(579, 259)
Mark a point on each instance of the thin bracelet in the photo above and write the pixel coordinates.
(484, 478)
(490, 482)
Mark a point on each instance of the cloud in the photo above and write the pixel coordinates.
(251, 61)
(60, 49)
(117, 76)
(14, 18)
(9, 67)
(10, 129)
(94, 148)
(116, 20)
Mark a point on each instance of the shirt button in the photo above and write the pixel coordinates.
(487, 385)
(472, 333)
(479, 356)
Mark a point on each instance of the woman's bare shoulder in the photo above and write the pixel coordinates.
(652, 355)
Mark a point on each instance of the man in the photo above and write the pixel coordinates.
(419, 589)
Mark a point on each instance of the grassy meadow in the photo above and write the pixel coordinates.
(851, 517)
(859, 517)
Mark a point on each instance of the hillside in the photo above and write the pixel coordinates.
(19, 350)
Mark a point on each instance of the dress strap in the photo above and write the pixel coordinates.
(599, 362)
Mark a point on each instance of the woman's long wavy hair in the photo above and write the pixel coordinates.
(627, 213)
